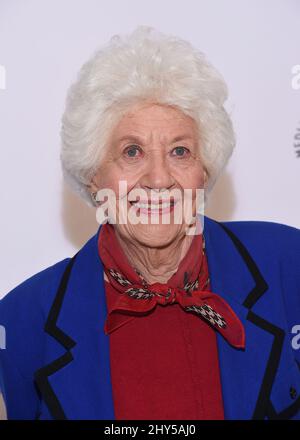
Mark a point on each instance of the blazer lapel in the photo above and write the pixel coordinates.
(77, 383)
(248, 375)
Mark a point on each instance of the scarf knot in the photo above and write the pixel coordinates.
(163, 293)
(136, 297)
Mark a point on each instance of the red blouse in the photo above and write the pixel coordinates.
(163, 365)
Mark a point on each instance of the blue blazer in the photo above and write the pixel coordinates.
(56, 361)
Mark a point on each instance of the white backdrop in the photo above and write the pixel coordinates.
(254, 43)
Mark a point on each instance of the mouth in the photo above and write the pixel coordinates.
(154, 206)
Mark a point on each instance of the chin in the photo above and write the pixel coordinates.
(156, 236)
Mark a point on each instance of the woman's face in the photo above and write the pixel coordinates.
(153, 148)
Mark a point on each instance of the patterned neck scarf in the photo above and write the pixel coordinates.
(189, 287)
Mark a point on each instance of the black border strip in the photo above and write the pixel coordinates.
(50, 326)
(264, 406)
(41, 375)
(261, 286)
(261, 408)
(41, 378)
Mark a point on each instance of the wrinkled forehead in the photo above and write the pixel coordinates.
(164, 123)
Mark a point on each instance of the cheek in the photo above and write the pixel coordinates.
(192, 178)
(111, 176)
(107, 180)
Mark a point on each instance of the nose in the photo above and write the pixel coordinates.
(157, 174)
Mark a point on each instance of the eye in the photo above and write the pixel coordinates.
(132, 151)
(181, 151)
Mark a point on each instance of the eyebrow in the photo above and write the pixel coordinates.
(140, 140)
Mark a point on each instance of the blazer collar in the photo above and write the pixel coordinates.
(248, 376)
(77, 317)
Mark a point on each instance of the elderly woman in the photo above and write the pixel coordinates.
(164, 313)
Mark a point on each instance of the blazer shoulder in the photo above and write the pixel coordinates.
(266, 234)
(23, 314)
(32, 292)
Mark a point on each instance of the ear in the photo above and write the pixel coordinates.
(92, 186)
(205, 177)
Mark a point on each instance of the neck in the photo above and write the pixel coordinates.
(156, 265)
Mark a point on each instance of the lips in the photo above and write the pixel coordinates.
(158, 206)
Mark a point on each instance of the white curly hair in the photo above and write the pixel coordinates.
(144, 66)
